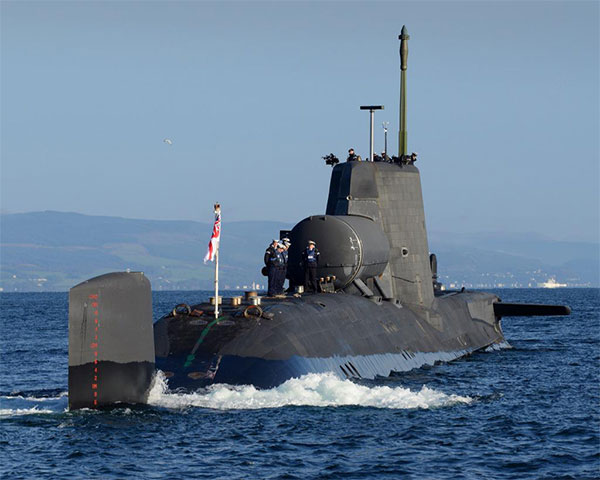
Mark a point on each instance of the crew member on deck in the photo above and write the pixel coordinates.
(310, 259)
(270, 250)
(271, 264)
(281, 268)
(286, 247)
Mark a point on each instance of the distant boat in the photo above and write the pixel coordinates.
(551, 283)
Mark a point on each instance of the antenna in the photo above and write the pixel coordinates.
(402, 143)
(385, 128)
(371, 109)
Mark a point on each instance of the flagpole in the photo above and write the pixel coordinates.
(217, 284)
(217, 213)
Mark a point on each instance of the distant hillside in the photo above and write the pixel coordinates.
(54, 251)
(499, 259)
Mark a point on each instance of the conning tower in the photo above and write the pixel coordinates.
(389, 195)
(385, 198)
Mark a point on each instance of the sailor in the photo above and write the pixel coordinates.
(310, 258)
(385, 157)
(271, 264)
(281, 264)
(271, 249)
(286, 244)
(352, 157)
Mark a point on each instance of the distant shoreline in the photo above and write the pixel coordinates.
(237, 291)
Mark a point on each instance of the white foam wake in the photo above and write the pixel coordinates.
(320, 390)
(9, 412)
(34, 399)
(496, 347)
(20, 405)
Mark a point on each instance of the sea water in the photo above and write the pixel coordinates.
(528, 410)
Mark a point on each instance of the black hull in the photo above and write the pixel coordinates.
(106, 383)
(350, 336)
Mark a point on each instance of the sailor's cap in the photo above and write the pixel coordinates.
(280, 245)
(286, 239)
(310, 242)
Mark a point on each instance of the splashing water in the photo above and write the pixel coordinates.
(316, 390)
(496, 347)
(11, 405)
(319, 390)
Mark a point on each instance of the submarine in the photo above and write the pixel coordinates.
(380, 308)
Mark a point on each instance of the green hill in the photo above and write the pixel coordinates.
(55, 250)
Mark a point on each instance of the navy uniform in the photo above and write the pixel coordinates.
(271, 262)
(281, 268)
(310, 258)
(270, 250)
(283, 272)
(352, 157)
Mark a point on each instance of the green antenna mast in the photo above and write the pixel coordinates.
(402, 143)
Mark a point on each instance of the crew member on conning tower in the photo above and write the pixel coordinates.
(352, 157)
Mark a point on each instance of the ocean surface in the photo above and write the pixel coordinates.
(531, 410)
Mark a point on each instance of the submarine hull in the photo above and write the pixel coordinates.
(379, 311)
(353, 337)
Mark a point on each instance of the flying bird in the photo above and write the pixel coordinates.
(168, 141)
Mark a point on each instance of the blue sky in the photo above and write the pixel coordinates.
(503, 107)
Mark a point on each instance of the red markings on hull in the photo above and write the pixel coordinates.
(94, 346)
